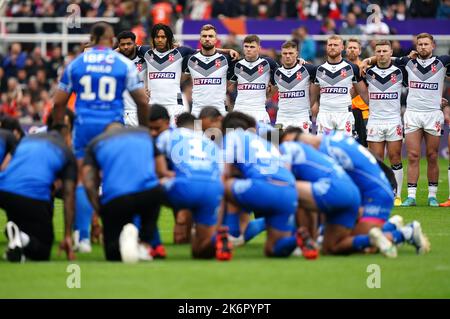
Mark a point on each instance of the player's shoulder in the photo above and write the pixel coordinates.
(445, 59)
(122, 59)
(269, 60)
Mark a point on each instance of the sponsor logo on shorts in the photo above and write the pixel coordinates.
(384, 96)
(207, 81)
(292, 94)
(251, 86)
(423, 85)
(334, 90)
(161, 75)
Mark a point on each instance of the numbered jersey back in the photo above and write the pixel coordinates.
(99, 77)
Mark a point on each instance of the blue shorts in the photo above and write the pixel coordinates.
(277, 203)
(339, 199)
(377, 205)
(83, 134)
(202, 197)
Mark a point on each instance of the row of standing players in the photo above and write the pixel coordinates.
(104, 38)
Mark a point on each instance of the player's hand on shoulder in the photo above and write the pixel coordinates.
(413, 54)
(364, 66)
(234, 54)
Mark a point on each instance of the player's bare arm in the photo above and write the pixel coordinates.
(361, 89)
(91, 181)
(60, 104)
(69, 214)
(141, 100)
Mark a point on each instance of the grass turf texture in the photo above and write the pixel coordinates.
(249, 274)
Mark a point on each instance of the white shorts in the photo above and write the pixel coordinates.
(337, 121)
(431, 122)
(130, 118)
(174, 111)
(301, 121)
(378, 131)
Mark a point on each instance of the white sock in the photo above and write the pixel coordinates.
(24, 238)
(407, 232)
(398, 172)
(432, 189)
(412, 188)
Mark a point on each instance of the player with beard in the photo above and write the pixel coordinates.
(360, 109)
(334, 80)
(423, 118)
(210, 70)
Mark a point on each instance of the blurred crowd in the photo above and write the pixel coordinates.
(28, 78)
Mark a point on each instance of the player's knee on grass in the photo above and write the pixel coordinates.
(183, 226)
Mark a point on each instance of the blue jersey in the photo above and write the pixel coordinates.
(38, 161)
(357, 161)
(190, 154)
(7, 143)
(255, 157)
(309, 164)
(126, 159)
(99, 78)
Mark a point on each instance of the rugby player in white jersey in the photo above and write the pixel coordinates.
(293, 81)
(254, 77)
(423, 118)
(334, 80)
(210, 70)
(127, 46)
(384, 128)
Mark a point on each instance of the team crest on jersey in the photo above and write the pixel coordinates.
(171, 57)
(343, 73)
(437, 125)
(218, 63)
(260, 69)
(139, 67)
(299, 75)
(348, 126)
(399, 130)
(305, 125)
(433, 68)
(393, 78)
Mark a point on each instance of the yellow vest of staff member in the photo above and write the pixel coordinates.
(358, 103)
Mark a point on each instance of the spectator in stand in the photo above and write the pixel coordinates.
(244, 8)
(423, 8)
(444, 10)
(162, 11)
(305, 43)
(350, 26)
(232, 42)
(284, 9)
(15, 60)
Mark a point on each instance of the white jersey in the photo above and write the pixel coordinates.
(164, 74)
(425, 82)
(335, 81)
(129, 104)
(209, 80)
(293, 90)
(252, 80)
(385, 90)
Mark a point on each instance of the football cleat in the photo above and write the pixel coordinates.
(309, 248)
(236, 241)
(432, 201)
(223, 245)
(397, 220)
(145, 252)
(128, 244)
(386, 247)
(14, 253)
(418, 239)
(159, 252)
(397, 201)
(445, 204)
(409, 202)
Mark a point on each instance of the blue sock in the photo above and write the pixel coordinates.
(83, 213)
(360, 242)
(387, 227)
(156, 239)
(232, 221)
(137, 221)
(397, 237)
(284, 246)
(254, 228)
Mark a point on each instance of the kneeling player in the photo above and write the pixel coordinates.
(267, 187)
(196, 185)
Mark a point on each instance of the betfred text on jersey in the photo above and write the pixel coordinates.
(384, 96)
(207, 81)
(292, 94)
(334, 90)
(161, 75)
(251, 86)
(423, 85)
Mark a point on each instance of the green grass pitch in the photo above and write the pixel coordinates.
(249, 274)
